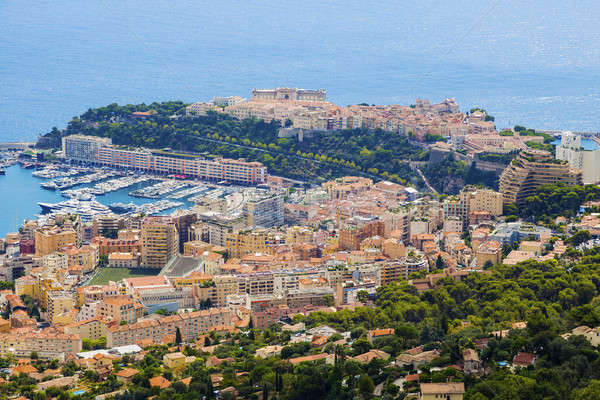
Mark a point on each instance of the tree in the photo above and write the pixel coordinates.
(591, 392)
(328, 299)
(177, 336)
(366, 386)
(439, 263)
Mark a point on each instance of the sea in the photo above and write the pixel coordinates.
(21, 192)
(534, 63)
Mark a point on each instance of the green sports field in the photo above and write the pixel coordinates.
(104, 275)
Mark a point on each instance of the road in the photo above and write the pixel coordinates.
(426, 181)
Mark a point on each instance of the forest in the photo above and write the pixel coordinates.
(377, 154)
(449, 176)
(552, 297)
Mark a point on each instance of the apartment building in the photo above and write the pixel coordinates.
(48, 344)
(350, 239)
(183, 220)
(532, 169)
(572, 151)
(86, 256)
(55, 261)
(59, 302)
(489, 251)
(84, 148)
(93, 328)
(341, 188)
(216, 291)
(190, 325)
(471, 201)
(264, 210)
(259, 283)
(49, 240)
(118, 308)
(122, 245)
(160, 241)
(248, 242)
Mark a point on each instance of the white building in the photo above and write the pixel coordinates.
(83, 148)
(588, 161)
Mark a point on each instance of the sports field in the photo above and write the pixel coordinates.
(104, 275)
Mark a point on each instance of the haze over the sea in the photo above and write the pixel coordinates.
(535, 68)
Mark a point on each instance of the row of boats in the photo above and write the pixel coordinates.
(101, 188)
(158, 190)
(69, 182)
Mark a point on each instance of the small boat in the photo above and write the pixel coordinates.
(2, 172)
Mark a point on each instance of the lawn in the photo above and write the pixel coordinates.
(103, 275)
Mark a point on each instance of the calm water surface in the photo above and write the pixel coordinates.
(535, 63)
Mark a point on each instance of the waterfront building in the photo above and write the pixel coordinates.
(96, 150)
(264, 210)
(588, 161)
(84, 148)
(532, 169)
(227, 101)
(49, 240)
(160, 241)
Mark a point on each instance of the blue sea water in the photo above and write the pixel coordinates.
(587, 144)
(20, 192)
(533, 63)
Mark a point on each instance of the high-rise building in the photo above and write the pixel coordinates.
(473, 200)
(572, 151)
(49, 240)
(160, 241)
(84, 148)
(532, 169)
(264, 210)
(248, 242)
(183, 220)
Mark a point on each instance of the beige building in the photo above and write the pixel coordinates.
(50, 240)
(491, 251)
(442, 391)
(118, 308)
(49, 344)
(160, 241)
(241, 243)
(93, 328)
(86, 256)
(532, 169)
(123, 260)
(58, 303)
(190, 325)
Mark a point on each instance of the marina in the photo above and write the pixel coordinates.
(54, 189)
